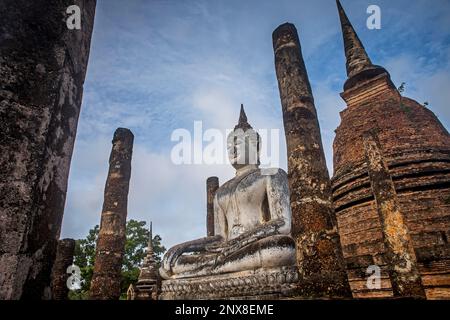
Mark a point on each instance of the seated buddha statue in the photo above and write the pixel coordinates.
(252, 218)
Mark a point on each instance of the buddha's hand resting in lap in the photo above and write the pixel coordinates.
(198, 245)
(215, 247)
(259, 232)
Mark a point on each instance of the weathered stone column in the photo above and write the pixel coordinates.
(314, 227)
(64, 258)
(42, 71)
(212, 184)
(400, 255)
(105, 282)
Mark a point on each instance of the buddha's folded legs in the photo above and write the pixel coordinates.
(193, 264)
(273, 251)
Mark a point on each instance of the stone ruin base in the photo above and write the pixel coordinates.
(264, 283)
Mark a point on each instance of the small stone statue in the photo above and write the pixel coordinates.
(252, 219)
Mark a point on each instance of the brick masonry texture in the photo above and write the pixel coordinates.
(105, 284)
(417, 150)
(42, 71)
(314, 227)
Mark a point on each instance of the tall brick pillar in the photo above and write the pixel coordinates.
(42, 70)
(400, 256)
(64, 258)
(314, 228)
(212, 184)
(105, 284)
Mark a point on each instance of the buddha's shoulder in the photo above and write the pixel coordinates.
(231, 184)
(273, 172)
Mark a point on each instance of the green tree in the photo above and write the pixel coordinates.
(137, 237)
(136, 245)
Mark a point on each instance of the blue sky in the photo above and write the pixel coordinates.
(156, 66)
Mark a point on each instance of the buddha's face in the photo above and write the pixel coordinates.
(243, 148)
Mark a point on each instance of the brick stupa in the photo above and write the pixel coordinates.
(146, 287)
(416, 147)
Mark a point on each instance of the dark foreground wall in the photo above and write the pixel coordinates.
(42, 71)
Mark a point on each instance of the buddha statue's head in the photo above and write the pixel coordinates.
(243, 144)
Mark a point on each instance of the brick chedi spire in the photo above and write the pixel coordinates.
(358, 64)
(148, 277)
(150, 242)
(357, 58)
(149, 268)
(416, 150)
